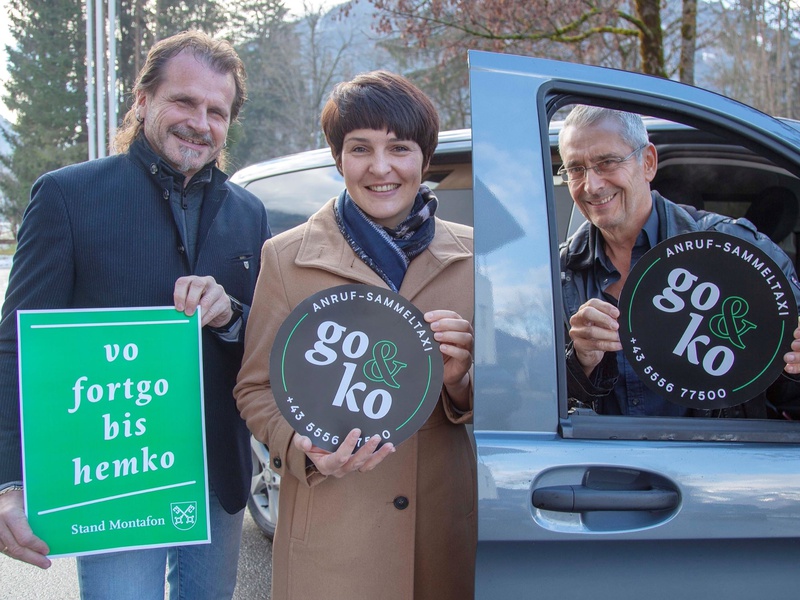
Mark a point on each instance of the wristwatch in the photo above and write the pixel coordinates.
(11, 488)
(238, 311)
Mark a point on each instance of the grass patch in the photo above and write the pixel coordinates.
(8, 249)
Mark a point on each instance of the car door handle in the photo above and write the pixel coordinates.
(579, 498)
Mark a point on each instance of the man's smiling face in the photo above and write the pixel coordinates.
(186, 119)
(616, 202)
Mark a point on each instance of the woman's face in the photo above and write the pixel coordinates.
(382, 174)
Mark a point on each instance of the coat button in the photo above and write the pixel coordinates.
(401, 503)
(181, 249)
(154, 169)
(166, 194)
(277, 462)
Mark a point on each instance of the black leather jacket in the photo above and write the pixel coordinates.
(577, 257)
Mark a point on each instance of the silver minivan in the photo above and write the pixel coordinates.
(669, 507)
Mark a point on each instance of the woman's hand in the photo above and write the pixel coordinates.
(343, 461)
(456, 340)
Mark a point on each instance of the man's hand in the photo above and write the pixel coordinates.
(16, 538)
(193, 291)
(792, 359)
(343, 461)
(594, 330)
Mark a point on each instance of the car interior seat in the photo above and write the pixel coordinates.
(774, 212)
(679, 192)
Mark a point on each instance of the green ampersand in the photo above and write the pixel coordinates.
(382, 368)
(730, 323)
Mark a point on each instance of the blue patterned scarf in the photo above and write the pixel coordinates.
(386, 251)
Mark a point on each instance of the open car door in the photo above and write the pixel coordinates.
(663, 507)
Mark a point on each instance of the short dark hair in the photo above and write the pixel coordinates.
(219, 55)
(380, 100)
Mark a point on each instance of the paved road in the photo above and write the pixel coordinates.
(19, 581)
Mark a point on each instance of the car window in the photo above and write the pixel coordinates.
(733, 182)
(553, 485)
(291, 197)
(452, 184)
(718, 173)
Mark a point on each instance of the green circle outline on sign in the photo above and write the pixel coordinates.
(366, 310)
(741, 387)
(766, 281)
(285, 389)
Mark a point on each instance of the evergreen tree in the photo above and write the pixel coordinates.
(141, 23)
(46, 89)
(268, 46)
(174, 16)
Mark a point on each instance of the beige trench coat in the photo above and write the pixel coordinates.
(355, 537)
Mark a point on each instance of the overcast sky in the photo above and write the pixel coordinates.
(294, 6)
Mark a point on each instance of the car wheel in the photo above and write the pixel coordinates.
(264, 488)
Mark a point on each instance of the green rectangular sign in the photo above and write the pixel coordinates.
(113, 428)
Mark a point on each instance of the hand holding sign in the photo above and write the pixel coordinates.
(594, 330)
(792, 359)
(346, 458)
(456, 337)
(16, 537)
(193, 291)
(706, 319)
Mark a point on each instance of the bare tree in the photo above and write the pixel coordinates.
(651, 39)
(758, 62)
(688, 41)
(522, 25)
(291, 66)
(323, 63)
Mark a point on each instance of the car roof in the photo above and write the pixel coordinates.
(458, 140)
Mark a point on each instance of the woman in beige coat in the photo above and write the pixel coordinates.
(381, 522)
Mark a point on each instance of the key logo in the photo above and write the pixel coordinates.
(184, 514)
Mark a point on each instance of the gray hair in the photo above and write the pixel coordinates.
(632, 129)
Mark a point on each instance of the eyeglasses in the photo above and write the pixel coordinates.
(604, 167)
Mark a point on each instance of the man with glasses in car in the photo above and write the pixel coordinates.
(608, 163)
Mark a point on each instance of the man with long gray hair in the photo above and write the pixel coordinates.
(157, 224)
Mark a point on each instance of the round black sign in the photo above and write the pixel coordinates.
(356, 356)
(705, 319)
